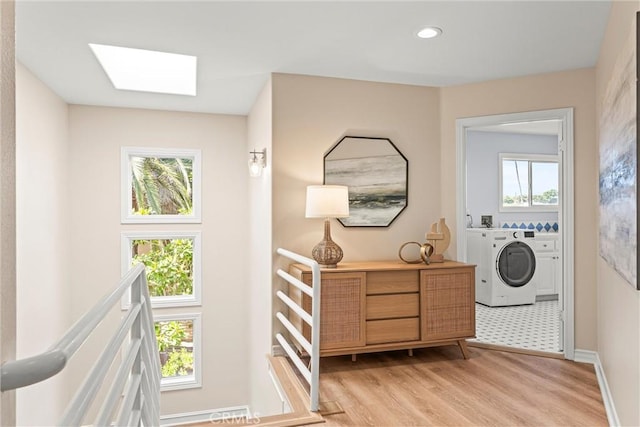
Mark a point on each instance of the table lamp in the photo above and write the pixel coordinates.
(327, 201)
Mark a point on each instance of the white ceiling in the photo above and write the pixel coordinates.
(239, 43)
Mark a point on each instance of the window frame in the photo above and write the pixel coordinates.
(529, 158)
(194, 299)
(127, 217)
(187, 381)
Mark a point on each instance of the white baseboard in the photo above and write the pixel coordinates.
(587, 356)
(234, 413)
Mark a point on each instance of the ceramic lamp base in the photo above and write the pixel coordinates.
(327, 253)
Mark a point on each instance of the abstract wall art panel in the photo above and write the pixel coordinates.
(619, 166)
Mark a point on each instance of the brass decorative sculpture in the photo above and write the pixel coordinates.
(425, 252)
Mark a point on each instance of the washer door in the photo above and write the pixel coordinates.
(516, 264)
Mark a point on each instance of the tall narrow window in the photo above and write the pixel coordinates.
(172, 264)
(179, 342)
(160, 185)
(529, 182)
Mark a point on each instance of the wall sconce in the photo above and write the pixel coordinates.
(327, 201)
(257, 162)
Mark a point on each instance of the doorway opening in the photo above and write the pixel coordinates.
(506, 166)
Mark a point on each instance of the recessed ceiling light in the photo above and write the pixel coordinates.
(148, 70)
(429, 32)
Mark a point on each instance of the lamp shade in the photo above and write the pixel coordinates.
(327, 201)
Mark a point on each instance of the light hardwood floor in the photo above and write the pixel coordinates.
(436, 387)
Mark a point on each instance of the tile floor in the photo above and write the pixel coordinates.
(532, 327)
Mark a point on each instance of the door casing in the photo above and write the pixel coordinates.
(565, 211)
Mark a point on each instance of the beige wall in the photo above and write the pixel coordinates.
(618, 302)
(264, 399)
(96, 135)
(540, 92)
(311, 114)
(42, 157)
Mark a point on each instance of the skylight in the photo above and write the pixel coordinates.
(147, 70)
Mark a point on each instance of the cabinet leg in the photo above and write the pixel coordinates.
(410, 352)
(353, 357)
(463, 348)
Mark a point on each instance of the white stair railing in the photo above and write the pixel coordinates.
(135, 388)
(312, 376)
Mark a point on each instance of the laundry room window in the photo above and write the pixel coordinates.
(528, 182)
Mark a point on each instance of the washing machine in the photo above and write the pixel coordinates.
(505, 264)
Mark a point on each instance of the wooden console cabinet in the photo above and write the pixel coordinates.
(376, 306)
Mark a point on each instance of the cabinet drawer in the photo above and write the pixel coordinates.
(392, 282)
(394, 330)
(392, 306)
(545, 245)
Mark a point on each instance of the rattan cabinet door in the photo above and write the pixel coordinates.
(447, 303)
(342, 310)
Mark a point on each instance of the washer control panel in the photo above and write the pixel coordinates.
(519, 234)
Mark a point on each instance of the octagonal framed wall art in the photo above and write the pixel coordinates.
(377, 175)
